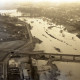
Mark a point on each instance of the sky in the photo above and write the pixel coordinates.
(4, 1)
(52, 0)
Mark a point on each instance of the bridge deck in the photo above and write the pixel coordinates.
(56, 57)
(52, 56)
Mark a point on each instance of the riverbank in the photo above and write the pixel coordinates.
(14, 33)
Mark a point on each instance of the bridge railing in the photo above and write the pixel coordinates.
(55, 56)
(52, 56)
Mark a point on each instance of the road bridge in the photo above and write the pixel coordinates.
(40, 54)
(52, 56)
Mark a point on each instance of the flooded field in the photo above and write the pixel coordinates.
(55, 42)
(55, 39)
(10, 12)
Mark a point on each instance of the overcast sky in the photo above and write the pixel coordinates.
(2, 1)
(59, 1)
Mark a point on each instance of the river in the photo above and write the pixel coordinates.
(55, 39)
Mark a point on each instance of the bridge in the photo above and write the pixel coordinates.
(64, 57)
(42, 56)
(53, 56)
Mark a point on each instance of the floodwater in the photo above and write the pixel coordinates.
(10, 12)
(55, 39)
(67, 44)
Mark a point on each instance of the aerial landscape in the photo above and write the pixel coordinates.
(40, 40)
